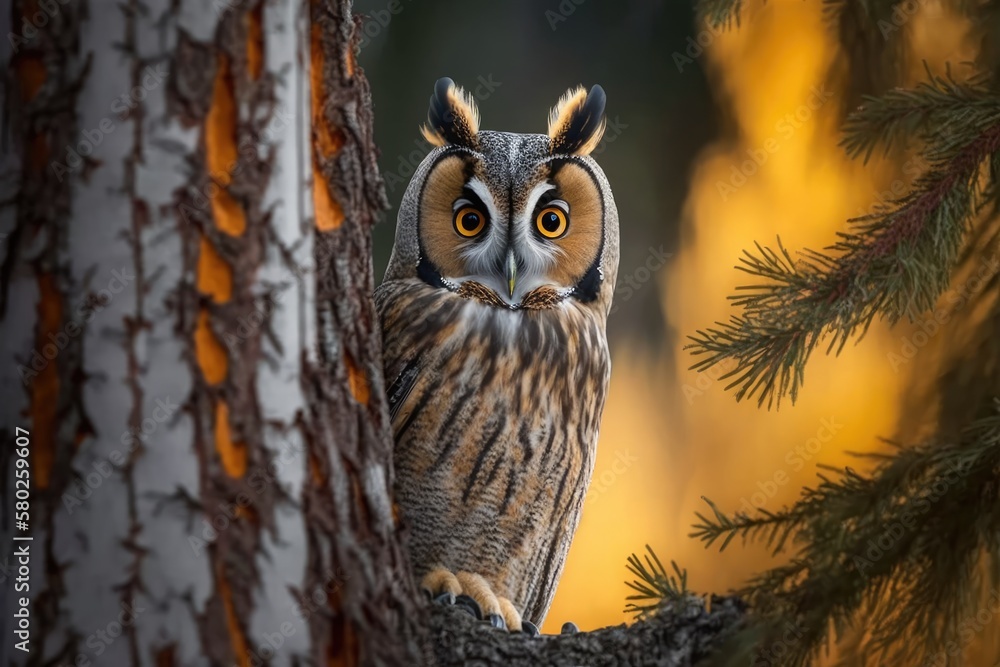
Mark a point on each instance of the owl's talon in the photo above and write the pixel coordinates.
(473, 594)
(466, 603)
(529, 628)
(445, 599)
(569, 628)
(511, 616)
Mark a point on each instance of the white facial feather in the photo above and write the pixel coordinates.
(536, 256)
(481, 255)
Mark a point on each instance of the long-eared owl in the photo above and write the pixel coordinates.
(493, 313)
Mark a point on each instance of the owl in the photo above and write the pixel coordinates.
(493, 315)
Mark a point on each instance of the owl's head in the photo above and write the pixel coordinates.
(512, 220)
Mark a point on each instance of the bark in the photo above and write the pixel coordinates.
(674, 637)
(194, 186)
(352, 526)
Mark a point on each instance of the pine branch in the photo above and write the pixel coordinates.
(719, 13)
(929, 114)
(654, 586)
(889, 565)
(891, 264)
(725, 13)
(898, 548)
(675, 637)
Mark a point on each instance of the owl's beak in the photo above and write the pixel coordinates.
(511, 272)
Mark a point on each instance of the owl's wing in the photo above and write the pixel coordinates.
(402, 385)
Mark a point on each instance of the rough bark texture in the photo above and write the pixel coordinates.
(225, 232)
(352, 526)
(254, 523)
(45, 75)
(680, 637)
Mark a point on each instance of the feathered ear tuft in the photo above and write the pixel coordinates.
(452, 118)
(576, 123)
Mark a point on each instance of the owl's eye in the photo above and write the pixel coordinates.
(551, 222)
(469, 222)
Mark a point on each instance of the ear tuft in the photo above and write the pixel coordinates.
(576, 123)
(452, 117)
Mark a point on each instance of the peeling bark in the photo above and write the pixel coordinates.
(353, 528)
(44, 77)
(226, 232)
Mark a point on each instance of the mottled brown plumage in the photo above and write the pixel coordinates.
(493, 314)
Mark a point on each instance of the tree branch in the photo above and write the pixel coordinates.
(676, 636)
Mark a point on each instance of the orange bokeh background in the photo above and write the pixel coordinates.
(667, 440)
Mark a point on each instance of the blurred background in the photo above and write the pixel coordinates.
(715, 140)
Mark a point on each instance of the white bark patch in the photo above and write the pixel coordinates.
(168, 467)
(89, 535)
(277, 623)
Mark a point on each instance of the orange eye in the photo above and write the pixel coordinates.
(469, 222)
(551, 222)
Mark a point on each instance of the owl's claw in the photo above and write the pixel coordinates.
(474, 594)
(445, 598)
(468, 604)
(529, 628)
(569, 628)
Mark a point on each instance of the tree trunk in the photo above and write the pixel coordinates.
(209, 450)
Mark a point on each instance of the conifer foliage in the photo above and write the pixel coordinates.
(890, 564)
